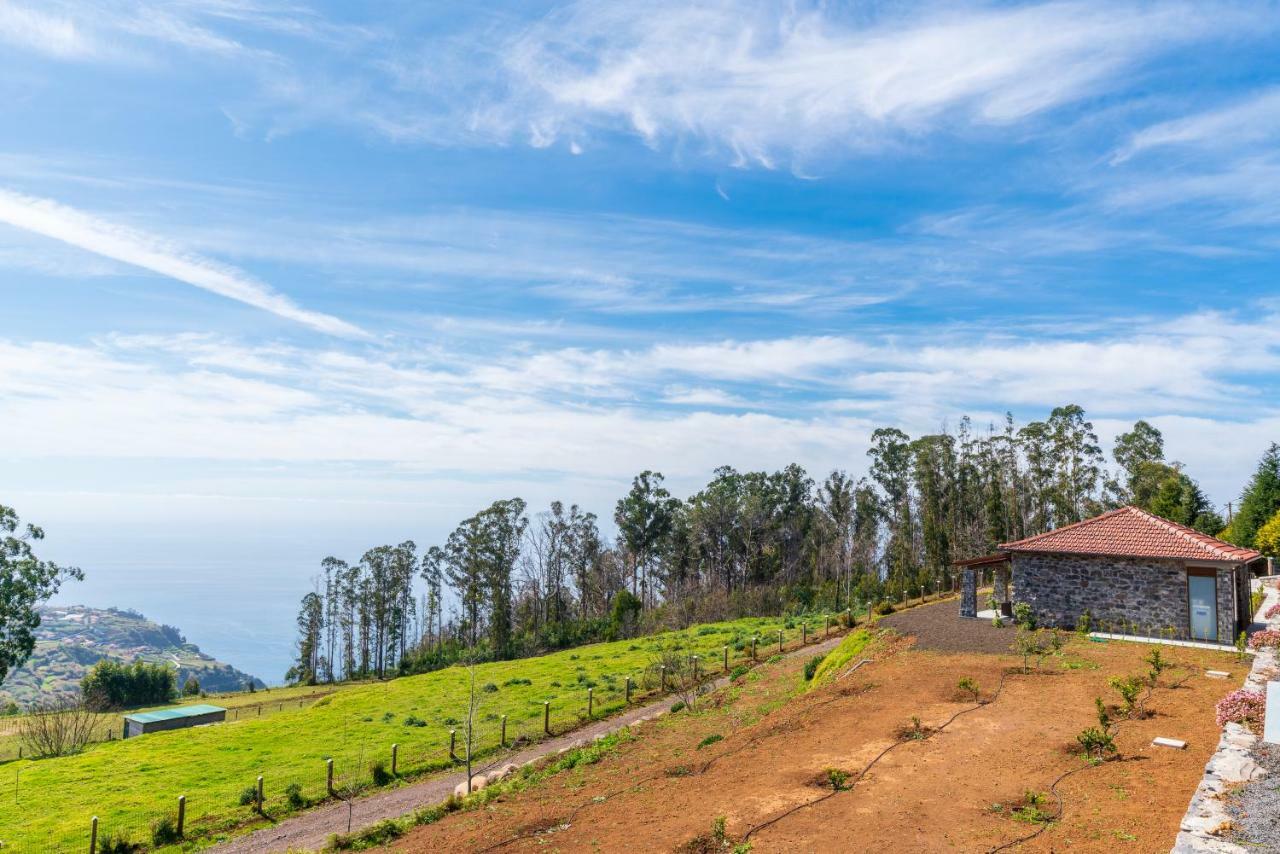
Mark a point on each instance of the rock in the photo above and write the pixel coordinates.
(579, 743)
(478, 782)
(506, 771)
(1175, 743)
(460, 790)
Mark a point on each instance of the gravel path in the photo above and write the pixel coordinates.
(312, 829)
(1255, 807)
(938, 625)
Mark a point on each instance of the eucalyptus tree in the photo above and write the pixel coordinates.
(503, 527)
(837, 500)
(644, 518)
(890, 454)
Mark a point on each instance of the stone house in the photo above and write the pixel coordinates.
(1129, 570)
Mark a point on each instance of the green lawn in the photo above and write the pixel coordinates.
(129, 784)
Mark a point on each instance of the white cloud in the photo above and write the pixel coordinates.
(53, 35)
(768, 80)
(1252, 120)
(73, 227)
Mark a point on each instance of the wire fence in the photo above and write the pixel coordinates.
(355, 768)
(109, 725)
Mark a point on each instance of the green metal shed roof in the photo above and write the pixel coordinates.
(173, 713)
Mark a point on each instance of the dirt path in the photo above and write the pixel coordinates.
(312, 829)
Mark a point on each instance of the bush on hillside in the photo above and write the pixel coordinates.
(115, 685)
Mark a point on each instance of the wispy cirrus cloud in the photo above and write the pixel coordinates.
(770, 82)
(158, 255)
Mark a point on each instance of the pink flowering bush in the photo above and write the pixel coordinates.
(1272, 612)
(1264, 638)
(1242, 706)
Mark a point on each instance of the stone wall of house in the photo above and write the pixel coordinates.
(1151, 593)
(1227, 592)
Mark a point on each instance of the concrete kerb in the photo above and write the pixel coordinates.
(1231, 764)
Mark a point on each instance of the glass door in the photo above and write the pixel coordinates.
(1202, 593)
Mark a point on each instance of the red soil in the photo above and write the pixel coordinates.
(659, 792)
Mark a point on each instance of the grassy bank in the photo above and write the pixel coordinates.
(131, 784)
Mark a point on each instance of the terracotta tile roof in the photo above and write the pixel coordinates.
(1132, 532)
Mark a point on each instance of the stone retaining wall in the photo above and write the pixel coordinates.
(1230, 765)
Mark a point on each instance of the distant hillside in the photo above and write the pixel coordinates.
(72, 637)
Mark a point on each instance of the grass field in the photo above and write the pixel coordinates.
(130, 784)
(260, 703)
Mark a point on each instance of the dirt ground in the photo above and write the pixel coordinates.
(954, 790)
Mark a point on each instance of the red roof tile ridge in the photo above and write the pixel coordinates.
(1212, 546)
(1034, 537)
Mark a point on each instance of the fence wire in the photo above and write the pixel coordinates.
(360, 766)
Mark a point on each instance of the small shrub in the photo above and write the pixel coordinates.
(969, 687)
(811, 667)
(1084, 623)
(1159, 664)
(490, 688)
(293, 794)
(1243, 707)
(774, 659)
(1023, 616)
(118, 843)
(1265, 638)
(517, 681)
(997, 621)
(1272, 612)
(164, 831)
(677, 705)
(1242, 643)
(388, 717)
(710, 740)
(1097, 743)
(1030, 810)
(381, 776)
(838, 779)
(1128, 687)
(248, 796)
(413, 720)
(450, 721)
(883, 608)
(739, 671)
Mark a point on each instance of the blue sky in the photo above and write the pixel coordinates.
(283, 280)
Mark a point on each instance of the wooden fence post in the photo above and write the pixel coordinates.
(804, 633)
(753, 648)
(182, 813)
(260, 799)
(453, 741)
(590, 709)
(779, 640)
(93, 835)
(726, 658)
(628, 690)
(695, 668)
(546, 716)
(504, 730)
(395, 751)
(826, 629)
(664, 676)
(328, 774)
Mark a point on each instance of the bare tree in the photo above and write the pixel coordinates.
(58, 726)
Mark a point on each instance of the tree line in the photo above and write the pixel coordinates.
(507, 582)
